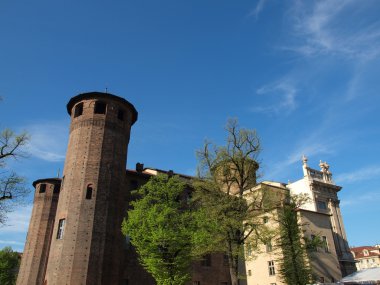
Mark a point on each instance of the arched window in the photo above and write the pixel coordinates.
(78, 110)
(100, 107)
(89, 192)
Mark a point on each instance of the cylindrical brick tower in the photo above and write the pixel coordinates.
(87, 240)
(36, 251)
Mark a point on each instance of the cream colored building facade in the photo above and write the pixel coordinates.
(366, 256)
(320, 216)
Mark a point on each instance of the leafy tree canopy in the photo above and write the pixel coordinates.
(9, 264)
(160, 228)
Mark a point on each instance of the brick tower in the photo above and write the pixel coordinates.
(87, 240)
(34, 259)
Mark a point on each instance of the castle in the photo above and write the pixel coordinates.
(74, 235)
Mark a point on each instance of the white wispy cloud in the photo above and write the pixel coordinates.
(48, 140)
(11, 242)
(373, 197)
(280, 97)
(327, 27)
(310, 150)
(359, 175)
(258, 8)
(17, 222)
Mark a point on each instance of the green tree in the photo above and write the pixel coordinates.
(229, 216)
(9, 265)
(159, 227)
(294, 265)
(12, 186)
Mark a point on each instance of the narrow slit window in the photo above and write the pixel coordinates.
(61, 228)
(89, 192)
(120, 115)
(78, 110)
(268, 245)
(56, 188)
(100, 107)
(42, 188)
(325, 243)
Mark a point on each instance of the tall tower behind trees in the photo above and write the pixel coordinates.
(86, 240)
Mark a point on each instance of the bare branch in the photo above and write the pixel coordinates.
(11, 144)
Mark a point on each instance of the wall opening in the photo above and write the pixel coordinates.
(120, 115)
(56, 188)
(89, 192)
(100, 107)
(61, 228)
(78, 111)
(42, 188)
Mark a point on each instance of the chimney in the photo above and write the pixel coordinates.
(139, 167)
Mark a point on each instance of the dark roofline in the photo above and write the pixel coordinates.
(336, 187)
(313, 212)
(51, 180)
(102, 95)
(143, 173)
(167, 172)
(136, 173)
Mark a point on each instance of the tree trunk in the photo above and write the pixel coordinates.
(234, 276)
(233, 262)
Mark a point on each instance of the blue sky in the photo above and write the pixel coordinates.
(305, 74)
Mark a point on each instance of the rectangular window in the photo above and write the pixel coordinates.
(249, 273)
(325, 244)
(42, 188)
(265, 220)
(120, 115)
(206, 261)
(322, 205)
(61, 228)
(225, 259)
(100, 107)
(249, 250)
(196, 282)
(271, 268)
(268, 246)
(56, 188)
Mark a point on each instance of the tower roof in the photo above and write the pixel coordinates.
(101, 95)
(47, 180)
